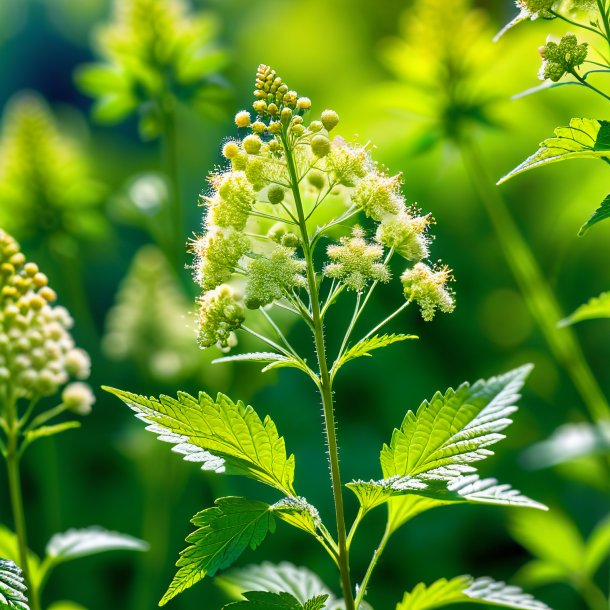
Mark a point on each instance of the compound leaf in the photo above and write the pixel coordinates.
(596, 308)
(467, 589)
(222, 435)
(12, 587)
(582, 139)
(601, 213)
(224, 532)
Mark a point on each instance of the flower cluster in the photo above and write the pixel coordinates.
(154, 51)
(535, 9)
(562, 57)
(427, 287)
(287, 179)
(37, 353)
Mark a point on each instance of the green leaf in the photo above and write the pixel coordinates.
(99, 79)
(453, 429)
(12, 587)
(538, 573)
(76, 543)
(466, 589)
(112, 109)
(302, 583)
(366, 346)
(552, 537)
(583, 139)
(299, 513)
(9, 549)
(263, 600)
(275, 360)
(595, 309)
(44, 431)
(602, 212)
(225, 532)
(470, 489)
(222, 435)
(597, 547)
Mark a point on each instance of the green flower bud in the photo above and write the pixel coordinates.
(275, 194)
(320, 145)
(252, 144)
(330, 119)
(316, 126)
(277, 232)
(286, 115)
(290, 240)
(78, 398)
(260, 106)
(316, 179)
(557, 59)
(259, 127)
(219, 315)
(274, 127)
(233, 202)
(230, 150)
(239, 162)
(304, 103)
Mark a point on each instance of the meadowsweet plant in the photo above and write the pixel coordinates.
(297, 220)
(156, 55)
(38, 361)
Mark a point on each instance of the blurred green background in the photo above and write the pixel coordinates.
(114, 474)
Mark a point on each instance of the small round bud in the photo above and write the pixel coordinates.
(239, 162)
(259, 127)
(40, 279)
(260, 106)
(297, 120)
(252, 144)
(320, 145)
(316, 179)
(330, 119)
(272, 109)
(286, 115)
(303, 103)
(242, 118)
(290, 99)
(277, 231)
(230, 150)
(275, 194)
(290, 240)
(48, 294)
(78, 363)
(275, 127)
(297, 129)
(315, 126)
(78, 398)
(46, 383)
(31, 269)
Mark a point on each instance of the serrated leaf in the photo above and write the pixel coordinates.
(263, 600)
(601, 213)
(300, 582)
(222, 435)
(455, 428)
(471, 489)
(224, 533)
(299, 513)
(76, 543)
(12, 587)
(595, 309)
(552, 537)
(275, 360)
(9, 549)
(365, 347)
(462, 589)
(597, 547)
(582, 139)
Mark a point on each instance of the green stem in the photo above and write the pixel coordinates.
(576, 24)
(584, 82)
(592, 594)
(325, 386)
(376, 555)
(14, 482)
(540, 300)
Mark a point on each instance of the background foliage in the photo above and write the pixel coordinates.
(336, 52)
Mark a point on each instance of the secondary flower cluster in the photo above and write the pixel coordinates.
(562, 57)
(288, 184)
(37, 353)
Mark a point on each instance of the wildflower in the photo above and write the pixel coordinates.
(78, 398)
(269, 278)
(219, 315)
(562, 57)
(356, 262)
(378, 195)
(233, 201)
(37, 353)
(347, 163)
(427, 287)
(405, 233)
(218, 252)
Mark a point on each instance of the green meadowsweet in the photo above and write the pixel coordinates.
(427, 287)
(154, 52)
(562, 57)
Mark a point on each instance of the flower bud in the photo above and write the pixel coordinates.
(252, 144)
(230, 150)
(242, 119)
(320, 145)
(316, 126)
(303, 103)
(330, 119)
(78, 398)
(275, 194)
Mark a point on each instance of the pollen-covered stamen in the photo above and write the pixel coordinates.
(406, 234)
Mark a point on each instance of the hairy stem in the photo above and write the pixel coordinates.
(325, 386)
(540, 299)
(14, 482)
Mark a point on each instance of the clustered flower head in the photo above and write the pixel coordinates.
(37, 352)
(562, 57)
(427, 286)
(534, 9)
(257, 228)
